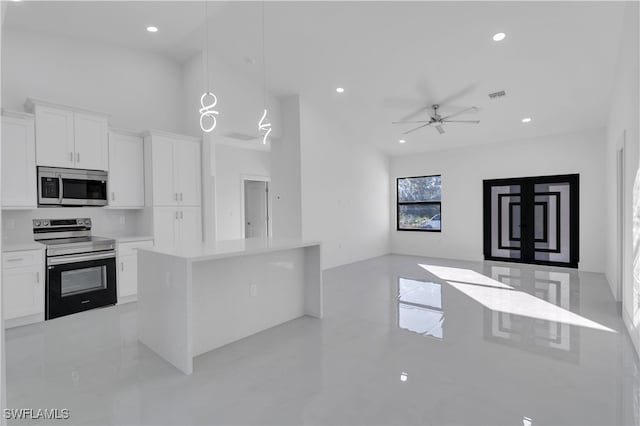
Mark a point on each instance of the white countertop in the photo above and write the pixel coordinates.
(121, 238)
(232, 248)
(8, 246)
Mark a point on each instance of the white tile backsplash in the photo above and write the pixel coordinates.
(17, 224)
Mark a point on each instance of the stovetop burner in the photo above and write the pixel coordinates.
(69, 236)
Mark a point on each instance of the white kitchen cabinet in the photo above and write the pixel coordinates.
(163, 182)
(23, 287)
(177, 226)
(126, 170)
(55, 145)
(128, 269)
(174, 173)
(19, 185)
(91, 145)
(69, 137)
(188, 176)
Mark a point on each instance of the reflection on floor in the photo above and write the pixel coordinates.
(400, 344)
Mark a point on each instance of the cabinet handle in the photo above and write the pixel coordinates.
(15, 259)
(113, 196)
(181, 196)
(38, 277)
(71, 157)
(177, 216)
(181, 214)
(77, 157)
(122, 266)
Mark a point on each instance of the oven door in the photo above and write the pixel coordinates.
(78, 283)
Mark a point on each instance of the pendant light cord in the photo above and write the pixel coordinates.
(264, 62)
(207, 77)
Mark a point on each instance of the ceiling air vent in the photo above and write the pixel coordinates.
(496, 95)
(240, 136)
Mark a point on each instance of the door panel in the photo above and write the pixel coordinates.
(126, 171)
(187, 167)
(162, 154)
(164, 226)
(190, 226)
(18, 163)
(91, 146)
(532, 220)
(54, 137)
(23, 292)
(127, 276)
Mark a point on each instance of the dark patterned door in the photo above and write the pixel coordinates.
(532, 220)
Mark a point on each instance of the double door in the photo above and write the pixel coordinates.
(176, 172)
(532, 220)
(177, 227)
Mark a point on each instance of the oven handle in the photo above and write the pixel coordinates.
(79, 258)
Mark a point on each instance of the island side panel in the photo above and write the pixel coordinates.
(164, 307)
(226, 308)
(313, 294)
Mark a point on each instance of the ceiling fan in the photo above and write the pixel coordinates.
(436, 120)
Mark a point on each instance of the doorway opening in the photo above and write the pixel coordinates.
(532, 220)
(256, 207)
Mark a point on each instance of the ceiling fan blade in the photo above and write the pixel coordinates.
(410, 122)
(419, 127)
(455, 114)
(457, 95)
(413, 114)
(440, 129)
(462, 121)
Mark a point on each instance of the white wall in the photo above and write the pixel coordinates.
(240, 100)
(231, 165)
(463, 171)
(17, 225)
(140, 90)
(286, 194)
(624, 125)
(345, 190)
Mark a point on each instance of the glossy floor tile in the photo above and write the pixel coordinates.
(405, 340)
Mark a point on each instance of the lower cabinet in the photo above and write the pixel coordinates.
(128, 269)
(23, 287)
(177, 226)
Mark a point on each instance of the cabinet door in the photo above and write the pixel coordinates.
(162, 158)
(127, 276)
(165, 221)
(19, 188)
(54, 137)
(91, 146)
(190, 226)
(187, 168)
(23, 292)
(126, 171)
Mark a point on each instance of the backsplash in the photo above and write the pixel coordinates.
(17, 225)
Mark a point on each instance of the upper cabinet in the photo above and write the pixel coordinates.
(69, 137)
(173, 167)
(18, 162)
(126, 170)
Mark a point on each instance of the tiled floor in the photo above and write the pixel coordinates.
(405, 340)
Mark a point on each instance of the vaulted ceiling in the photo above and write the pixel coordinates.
(556, 63)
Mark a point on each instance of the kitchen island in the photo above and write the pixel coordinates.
(195, 299)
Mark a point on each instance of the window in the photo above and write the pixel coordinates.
(419, 200)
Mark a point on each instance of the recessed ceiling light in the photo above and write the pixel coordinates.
(340, 89)
(526, 120)
(499, 36)
(152, 29)
(402, 141)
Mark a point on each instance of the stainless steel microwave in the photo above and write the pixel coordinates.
(71, 187)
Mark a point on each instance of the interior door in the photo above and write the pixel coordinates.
(532, 220)
(255, 209)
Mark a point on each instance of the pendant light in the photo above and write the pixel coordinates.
(264, 126)
(208, 100)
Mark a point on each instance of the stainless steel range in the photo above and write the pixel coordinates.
(81, 268)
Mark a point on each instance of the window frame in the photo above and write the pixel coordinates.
(399, 203)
